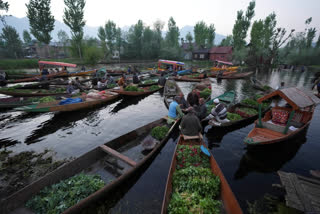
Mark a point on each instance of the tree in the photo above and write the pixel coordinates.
(318, 42)
(63, 38)
(310, 33)
(73, 18)
(189, 38)
(103, 37)
(242, 25)
(41, 20)
(228, 41)
(11, 41)
(147, 43)
(157, 28)
(119, 40)
(211, 34)
(200, 33)
(172, 36)
(3, 6)
(111, 31)
(26, 37)
(135, 37)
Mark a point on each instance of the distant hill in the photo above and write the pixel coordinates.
(22, 24)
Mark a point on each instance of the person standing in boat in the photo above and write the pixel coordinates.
(79, 85)
(193, 98)
(190, 124)
(219, 112)
(162, 80)
(174, 110)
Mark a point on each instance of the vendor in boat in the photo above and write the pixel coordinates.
(182, 101)
(71, 89)
(190, 124)
(129, 69)
(135, 78)
(162, 80)
(193, 98)
(201, 110)
(174, 110)
(110, 80)
(78, 84)
(101, 84)
(218, 113)
(122, 81)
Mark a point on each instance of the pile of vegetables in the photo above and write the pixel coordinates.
(195, 187)
(58, 90)
(132, 88)
(205, 93)
(254, 103)
(46, 99)
(112, 85)
(59, 197)
(233, 116)
(246, 112)
(154, 87)
(149, 81)
(159, 132)
(210, 107)
(266, 87)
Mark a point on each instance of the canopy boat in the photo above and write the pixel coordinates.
(282, 123)
(145, 91)
(116, 162)
(224, 65)
(58, 106)
(229, 201)
(236, 75)
(171, 89)
(29, 93)
(163, 65)
(186, 79)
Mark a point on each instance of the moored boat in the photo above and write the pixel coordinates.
(282, 123)
(236, 75)
(225, 73)
(171, 89)
(13, 102)
(57, 106)
(29, 93)
(116, 162)
(186, 79)
(225, 194)
(144, 91)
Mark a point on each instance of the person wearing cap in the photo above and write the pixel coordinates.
(193, 98)
(190, 124)
(219, 112)
(201, 110)
(174, 110)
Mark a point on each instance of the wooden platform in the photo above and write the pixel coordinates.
(302, 193)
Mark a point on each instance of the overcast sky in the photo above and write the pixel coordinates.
(222, 13)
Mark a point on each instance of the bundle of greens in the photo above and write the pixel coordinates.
(191, 156)
(154, 87)
(210, 107)
(46, 99)
(58, 90)
(250, 102)
(132, 88)
(233, 116)
(159, 132)
(112, 85)
(205, 93)
(65, 194)
(246, 112)
(149, 81)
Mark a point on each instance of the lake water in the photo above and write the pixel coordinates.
(250, 173)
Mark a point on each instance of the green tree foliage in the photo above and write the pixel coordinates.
(200, 34)
(157, 28)
(73, 18)
(147, 43)
(242, 25)
(92, 53)
(211, 34)
(135, 37)
(311, 33)
(41, 20)
(3, 6)
(111, 31)
(228, 41)
(11, 42)
(172, 36)
(189, 39)
(26, 37)
(119, 40)
(103, 37)
(318, 42)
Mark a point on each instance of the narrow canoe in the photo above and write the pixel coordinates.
(225, 73)
(237, 76)
(186, 79)
(22, 93)
(230, 203)
(40, 85)
(55, 107)
(148, 84)
(136, 93)
(103, 160)
(227, 69)
(13, 102)
(171, 89)
(256, 84)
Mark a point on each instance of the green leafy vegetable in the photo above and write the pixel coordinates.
(159, 132)
(154, 87)
(205, 93)
(112, 85)
(131, 88)
(46, 99)
(233, 116)
(65, 194)
(210, 107)
(191, 156)
(149, 81)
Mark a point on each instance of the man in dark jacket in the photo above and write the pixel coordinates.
(193, 98)
(201, 110)
(135, 79)
(162, 80)
(190, 124)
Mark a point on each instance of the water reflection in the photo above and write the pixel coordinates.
(125, 102)
(268, 158)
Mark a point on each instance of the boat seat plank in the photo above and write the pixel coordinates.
(197, 137)
(118, 155)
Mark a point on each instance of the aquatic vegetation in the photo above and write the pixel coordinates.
(159, 132)
(65, 194)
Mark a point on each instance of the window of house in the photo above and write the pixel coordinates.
(196, 56)
(201, 56)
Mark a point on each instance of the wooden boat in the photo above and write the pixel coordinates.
(13, 102)
(226, 98)
(171, 89)
(148, 84)
(227, 69)
(136, 93)
(40, 85)
(55, 107)
(256, 84)
(230, 203)
(237, 75)
(186, 79)
(293, 120)
(115, 73)
(24, 93)
(103, 160)
(225, 73)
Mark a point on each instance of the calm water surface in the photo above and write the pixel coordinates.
(250, 173)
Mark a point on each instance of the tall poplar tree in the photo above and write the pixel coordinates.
(73, 18)
(41, 20)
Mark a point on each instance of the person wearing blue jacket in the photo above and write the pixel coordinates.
(174, 110)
